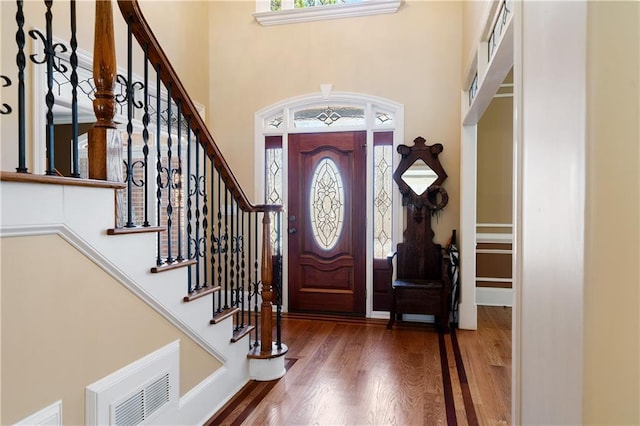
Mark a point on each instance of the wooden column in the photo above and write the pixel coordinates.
(266, 325)
(105, 144)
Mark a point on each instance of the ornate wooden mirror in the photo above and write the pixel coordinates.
(420, 177)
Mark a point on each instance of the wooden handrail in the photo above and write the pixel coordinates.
(142, 31)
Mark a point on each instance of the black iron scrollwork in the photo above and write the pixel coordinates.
(129, 92)
(176, 178)
(197, 185)
(165, 177)
(130, 174)
(237, 244)
(50, 50)
(201, 246)
(6, 82)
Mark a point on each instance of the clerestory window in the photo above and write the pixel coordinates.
(300, 4)
(275, 12)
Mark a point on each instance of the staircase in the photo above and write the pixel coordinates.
(153, 203)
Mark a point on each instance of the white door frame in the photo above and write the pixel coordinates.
(489, 74)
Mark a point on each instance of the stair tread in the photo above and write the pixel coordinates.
(224, 314)
(196, 294)
(172, 265)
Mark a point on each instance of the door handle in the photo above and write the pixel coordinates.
(292, 230)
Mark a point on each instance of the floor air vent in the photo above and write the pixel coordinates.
(142, 404)
(145, 392)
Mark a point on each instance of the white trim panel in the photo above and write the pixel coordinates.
(489, 237)
(48, 416)
(494, 296)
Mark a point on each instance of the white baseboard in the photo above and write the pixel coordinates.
(379, 315)
(493, 296)
(197, 406)
(419, 318)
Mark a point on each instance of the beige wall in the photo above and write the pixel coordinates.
(474, 14)
(612, 298)
(64, 328)
(495, 163)
(181, 27)
(411, 57)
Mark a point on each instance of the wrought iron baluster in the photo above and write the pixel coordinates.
(170, 258)
(234, 243)
(21, 62)
(205, 221)
(178, 184)
(220, 239)
(189, 204)
(197, 184)
(129, 94)
(75, 166)
(226, 248)
(242, 284)
(158, 164)
(49, 59)
(249, 282)
(145, 135)
(49, 98)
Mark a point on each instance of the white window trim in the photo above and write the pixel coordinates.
(347, 10)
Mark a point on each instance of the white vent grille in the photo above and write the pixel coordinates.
(142, 404)
(144, 392)
(130, 412)
(156, 395)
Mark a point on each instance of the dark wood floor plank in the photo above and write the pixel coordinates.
(486, 354)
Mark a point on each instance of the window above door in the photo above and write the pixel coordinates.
(327, 116)
(276, 12)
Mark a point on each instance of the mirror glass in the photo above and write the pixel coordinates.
(419, 176)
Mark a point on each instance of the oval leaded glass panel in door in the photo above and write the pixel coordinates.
(326, 204)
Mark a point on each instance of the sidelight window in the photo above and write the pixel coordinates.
(273, 180)
(382, 193)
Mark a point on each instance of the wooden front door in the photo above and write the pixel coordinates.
(327, 222)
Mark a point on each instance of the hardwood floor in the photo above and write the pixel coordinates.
(486, 354)
(352, 371)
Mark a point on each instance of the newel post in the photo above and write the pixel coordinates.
(105, 144)
(267, 292)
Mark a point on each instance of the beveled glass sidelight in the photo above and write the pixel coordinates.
(326, 204)
(382, 200)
